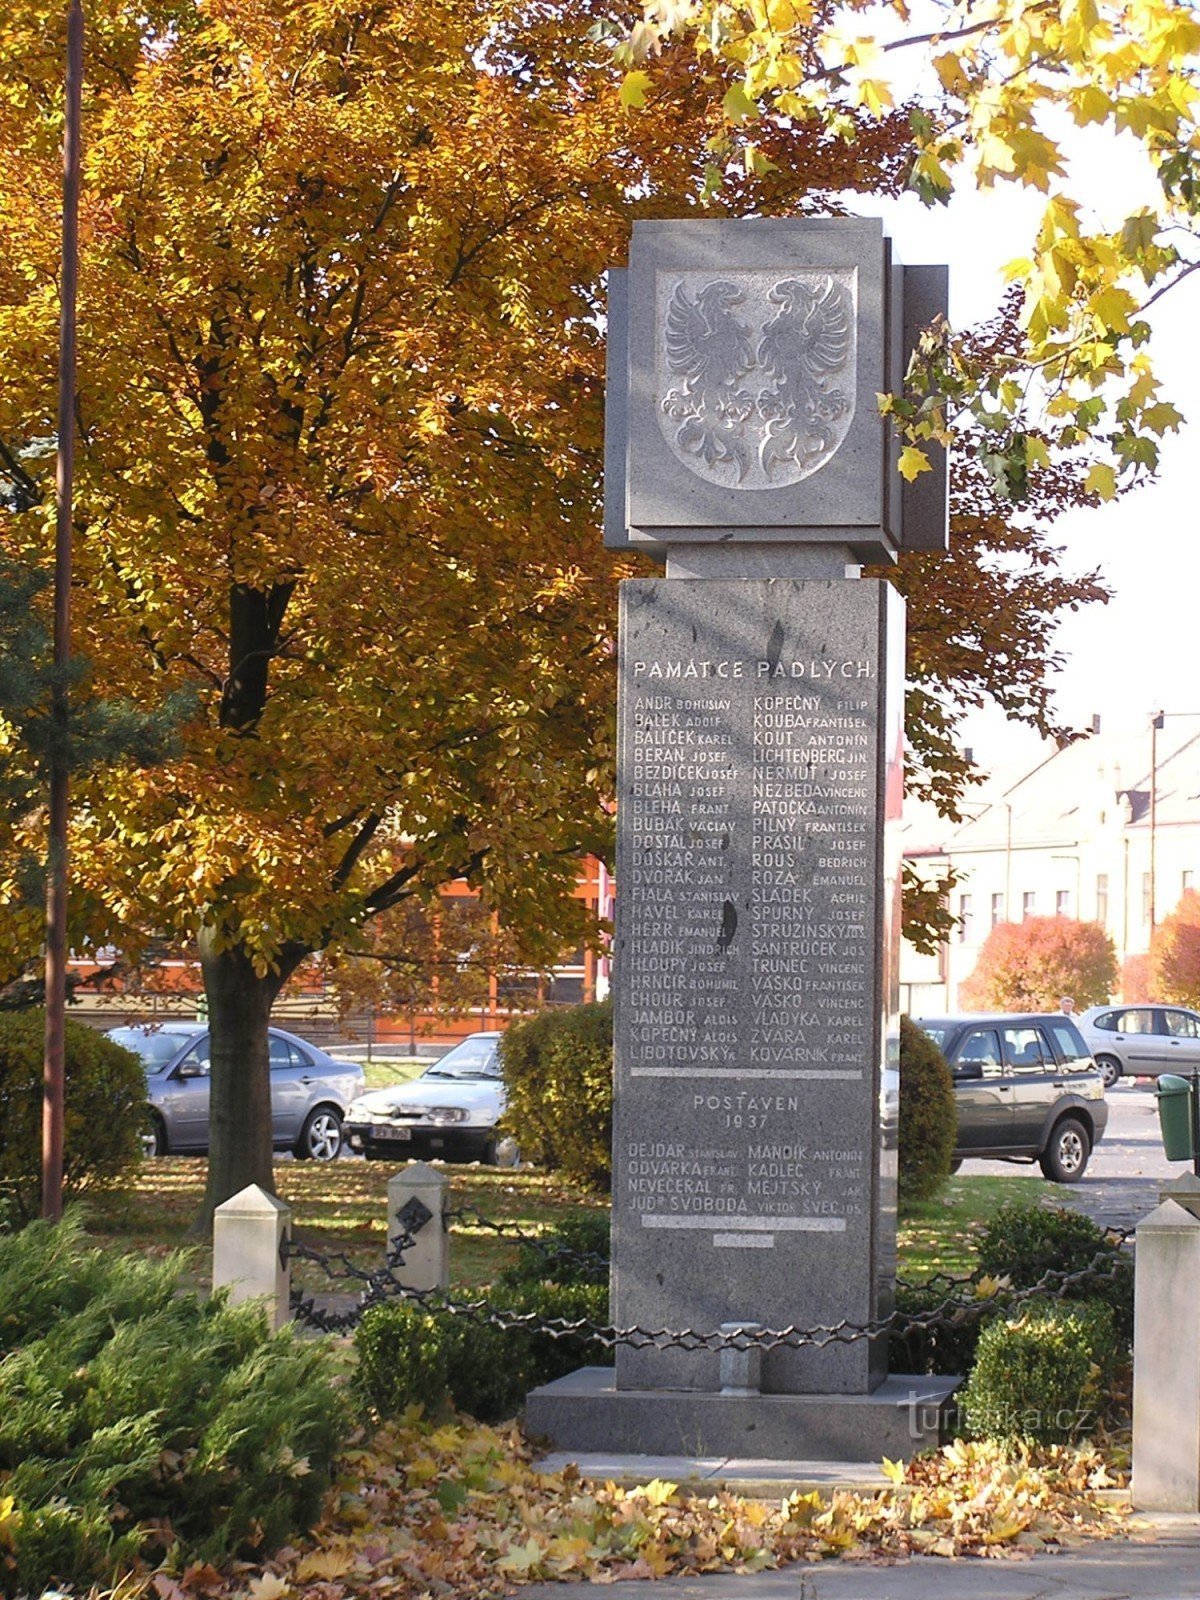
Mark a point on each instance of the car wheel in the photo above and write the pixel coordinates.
(154, 1136)
(1110, 1069)
(321, 1137)
(1066, 1156)
(955, 1164)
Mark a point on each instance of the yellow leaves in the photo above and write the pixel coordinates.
(494, 1517)
(268, 1586)
(634, 88)
(913, 461)
(738, 105)
(658, 1492)
(873, 94)
(951, 73)
(1102, 480)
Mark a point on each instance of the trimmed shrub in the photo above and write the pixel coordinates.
(558, 1081)
(135, 1415)
(105, 1110)
(1024, 1243)
(928, 1115)
(1043, 1374)
(414, 1354)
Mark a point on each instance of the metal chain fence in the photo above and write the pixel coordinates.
(962, 1301)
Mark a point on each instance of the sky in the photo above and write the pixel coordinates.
(1141, 652)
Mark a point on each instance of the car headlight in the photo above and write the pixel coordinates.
(447, 1114)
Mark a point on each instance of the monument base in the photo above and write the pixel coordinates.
(585, 1411)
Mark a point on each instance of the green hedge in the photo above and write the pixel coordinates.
(1022, 1243)
(135, 1417)
(1043, 1374)
(558, 1082)
(105, 1110)
(928, 1115)
(419, 1354)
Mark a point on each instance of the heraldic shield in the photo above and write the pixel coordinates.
(756, 372)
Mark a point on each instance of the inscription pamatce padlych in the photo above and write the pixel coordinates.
(799, 939)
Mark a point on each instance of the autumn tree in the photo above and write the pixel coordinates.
(439, 960)
(1030, 965)
(1175, 953)
(339, 457)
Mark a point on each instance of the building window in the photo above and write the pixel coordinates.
(1102, 899)
(1145, 897)
(1028, 904)
(966, 920)
(997, 909)
(1188, 883)
(1062, 903)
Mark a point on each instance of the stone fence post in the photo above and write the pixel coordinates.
(1166, 1358)
(418, 1199)
(250, 1231)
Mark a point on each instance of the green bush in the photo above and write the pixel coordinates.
(928, 1115)
(133, 1413)
(105, 1110)
(1024, 1242)
(1042, 1373)
(558, 1082)
(574, 1250)
(414, 1354)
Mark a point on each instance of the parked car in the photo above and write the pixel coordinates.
(1142, 1041)
(310, 1090)
(451, 1110)
(1026, 1090)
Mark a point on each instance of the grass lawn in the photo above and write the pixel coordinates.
(342, 1206)
(940, 1235)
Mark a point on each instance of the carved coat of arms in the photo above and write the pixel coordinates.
(756, 373)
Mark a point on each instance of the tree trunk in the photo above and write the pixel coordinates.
(239, 1141)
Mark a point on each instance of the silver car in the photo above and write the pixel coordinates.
(1142, 1041)
(310, 1091)
(450, 1111)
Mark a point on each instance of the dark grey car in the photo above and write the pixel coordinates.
(310, 1090)
(1026, 1089)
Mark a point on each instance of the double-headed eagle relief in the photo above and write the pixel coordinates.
(756, 373)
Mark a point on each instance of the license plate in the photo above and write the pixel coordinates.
(384, 1130)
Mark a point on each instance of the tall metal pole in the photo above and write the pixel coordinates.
(1156, 723)
(54, 1069)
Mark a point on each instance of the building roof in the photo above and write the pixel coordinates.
(1097, 780)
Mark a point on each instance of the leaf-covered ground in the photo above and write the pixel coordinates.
(423, 1513)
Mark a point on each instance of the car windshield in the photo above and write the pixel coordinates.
(937, 1034)
(154, 1046)
(473, 1058)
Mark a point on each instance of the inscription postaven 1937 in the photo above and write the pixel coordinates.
(803, 948)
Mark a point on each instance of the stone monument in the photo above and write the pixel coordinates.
(758, 791)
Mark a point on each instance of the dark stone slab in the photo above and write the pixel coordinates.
(755, 972)
(729, 418)
(587, 1412)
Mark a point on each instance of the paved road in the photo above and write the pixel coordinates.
(1167, 1567)
(1121, 1183)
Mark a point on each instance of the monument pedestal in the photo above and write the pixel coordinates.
(585, 1411)
(759, 787)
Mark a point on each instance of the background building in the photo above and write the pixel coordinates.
(1106, 829)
